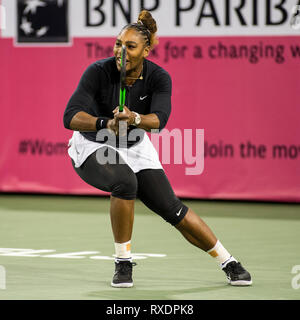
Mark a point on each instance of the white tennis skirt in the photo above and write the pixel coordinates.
(139, 157)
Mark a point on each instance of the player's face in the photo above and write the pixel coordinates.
(136, 49)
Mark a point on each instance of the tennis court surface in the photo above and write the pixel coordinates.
(61, 247)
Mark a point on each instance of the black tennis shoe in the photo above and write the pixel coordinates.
(123, 274)
(237, 275)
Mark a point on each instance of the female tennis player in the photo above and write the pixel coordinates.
(133, 170)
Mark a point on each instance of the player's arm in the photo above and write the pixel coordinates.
(149, 121)
(83, 121)
(77, 115)
(160, 103)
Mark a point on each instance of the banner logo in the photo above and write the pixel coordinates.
(2, 18)
(42, 21)
(295, 20)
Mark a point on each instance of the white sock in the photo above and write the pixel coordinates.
(123, 251)
(221, 254)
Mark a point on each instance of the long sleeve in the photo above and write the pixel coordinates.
(161, 97)
(84, 95)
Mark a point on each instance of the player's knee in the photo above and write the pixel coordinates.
(126, 188)
(173, 212)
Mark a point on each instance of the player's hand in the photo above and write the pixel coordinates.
(113, 125)
(125, 115)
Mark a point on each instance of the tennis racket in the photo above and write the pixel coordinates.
(122, 79)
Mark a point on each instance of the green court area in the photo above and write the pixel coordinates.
(61, 247)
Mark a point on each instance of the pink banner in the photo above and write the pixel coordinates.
(243, 91)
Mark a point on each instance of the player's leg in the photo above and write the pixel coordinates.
(196, 231)
(115, 177)
(121, 216)
(161, 199)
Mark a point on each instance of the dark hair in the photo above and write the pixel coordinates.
(146, 26)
